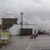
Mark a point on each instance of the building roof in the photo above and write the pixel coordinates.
(9, 18)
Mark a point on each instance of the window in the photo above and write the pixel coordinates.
(35, 31)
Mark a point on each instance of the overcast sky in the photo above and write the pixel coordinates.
(34, 10)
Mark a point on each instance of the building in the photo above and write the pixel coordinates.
(27, 29)
(8, 22)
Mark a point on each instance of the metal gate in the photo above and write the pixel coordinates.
(26, 31)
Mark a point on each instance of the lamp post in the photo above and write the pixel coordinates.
(22, 19)
(21, 22)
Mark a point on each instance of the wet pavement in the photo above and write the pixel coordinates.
(42, 42)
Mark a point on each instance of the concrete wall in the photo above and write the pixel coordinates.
(14, 30)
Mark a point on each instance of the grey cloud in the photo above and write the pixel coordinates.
(31, 8)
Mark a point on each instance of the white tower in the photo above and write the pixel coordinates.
(9, 14)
